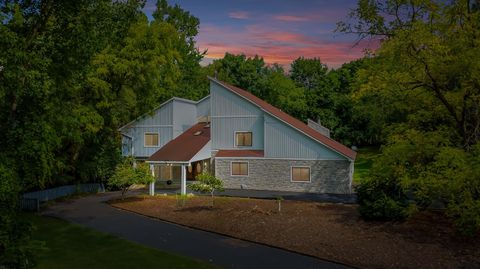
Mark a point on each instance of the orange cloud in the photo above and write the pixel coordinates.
(332, 55)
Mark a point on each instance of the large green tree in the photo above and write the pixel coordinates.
(45, 48)
(71, 73)
(426, 70)
(193, 82)
(266, 82)
(331, 98)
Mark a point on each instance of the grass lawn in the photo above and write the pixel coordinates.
(73, 246)
(363, 163)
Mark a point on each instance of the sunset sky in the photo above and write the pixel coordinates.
(278, 30)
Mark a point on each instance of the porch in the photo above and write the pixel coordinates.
(176, 176)
(183, 158)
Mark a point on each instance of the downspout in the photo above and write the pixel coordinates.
(352, 167)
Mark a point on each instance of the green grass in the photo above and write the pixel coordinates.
(363, 163)
(73, 246)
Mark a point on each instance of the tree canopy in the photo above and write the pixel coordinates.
(427, 74)
(71, 73)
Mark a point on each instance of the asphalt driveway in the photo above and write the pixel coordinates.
(91, 211)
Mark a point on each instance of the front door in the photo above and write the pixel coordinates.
(196, 168)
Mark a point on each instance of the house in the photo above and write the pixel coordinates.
(243, 140)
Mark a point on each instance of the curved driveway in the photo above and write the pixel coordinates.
(91, 211)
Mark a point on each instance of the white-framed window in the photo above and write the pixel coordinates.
(151, 139)
(243, 139)
(300, 174)
(239, 169)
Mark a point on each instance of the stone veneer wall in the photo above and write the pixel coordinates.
(274, 174)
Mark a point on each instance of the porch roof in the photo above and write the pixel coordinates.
(185, 146)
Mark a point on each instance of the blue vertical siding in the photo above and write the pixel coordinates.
(161, 122)
(203, 107)
(224, 131)
(226, 103)
(283, 141)
(231, 113)
(126, 146)
(184, 116)
(162, 116)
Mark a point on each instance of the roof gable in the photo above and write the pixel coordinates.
(229, 103)
(154, 112)
(291, 121)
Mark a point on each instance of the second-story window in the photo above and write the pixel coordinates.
(243, 139)
(151, 140)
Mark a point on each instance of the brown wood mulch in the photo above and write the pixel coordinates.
(328, 231)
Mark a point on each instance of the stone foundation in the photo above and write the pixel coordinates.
(272, 174)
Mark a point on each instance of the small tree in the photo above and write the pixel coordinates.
(207, 183)
(127, 175)
(279, 201)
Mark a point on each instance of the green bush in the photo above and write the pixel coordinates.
(207, 183)
(466, 216)
(127, 174)
(17, 249)
(432, 173)
(381, 200)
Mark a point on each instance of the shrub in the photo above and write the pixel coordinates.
(466, 216)
(207, 183)
(17, 249)
(126, 175)
(418, 171)
(382, 200)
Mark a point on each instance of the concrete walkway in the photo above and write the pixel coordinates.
(91, 211)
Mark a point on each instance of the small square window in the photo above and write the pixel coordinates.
(243, 139)
(151, 139)
(301, 174)
(239, 168)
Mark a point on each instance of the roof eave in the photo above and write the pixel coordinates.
(144, 114)
(167, 162)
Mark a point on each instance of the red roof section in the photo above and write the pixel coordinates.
(239, 153)
(297, 124)
(184, 146)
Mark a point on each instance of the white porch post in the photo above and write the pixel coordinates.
(152, 184)
(184, 180)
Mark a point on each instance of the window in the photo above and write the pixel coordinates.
(243, 139)
(151, 140)
(167, 172)
(239, 168)
(301, 174)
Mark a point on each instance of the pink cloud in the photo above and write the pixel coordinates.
(241, 15)
(290, 18)
(275, 46)
(318, 16)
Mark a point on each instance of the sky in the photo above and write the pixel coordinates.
(278, 30)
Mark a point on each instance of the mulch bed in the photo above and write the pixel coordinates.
(328, 231)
